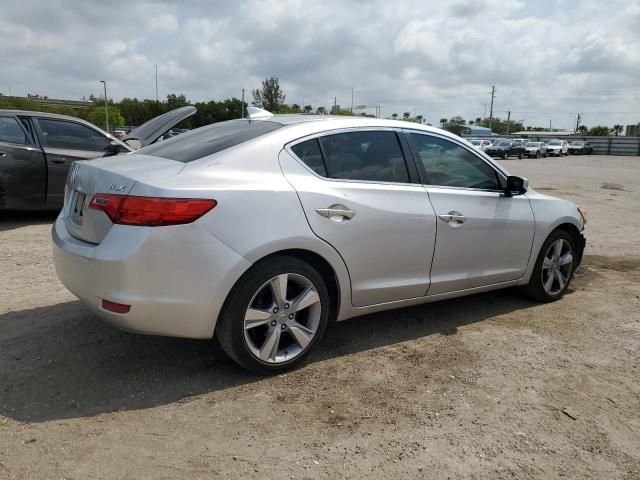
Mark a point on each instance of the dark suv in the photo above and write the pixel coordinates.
(506, 149)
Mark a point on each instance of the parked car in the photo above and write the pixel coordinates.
(37, 150)
(557, 147)
(535, 149)
(506, 149)
(580, 147)
(262, 231)
(481, 144)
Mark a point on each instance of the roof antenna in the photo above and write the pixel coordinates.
(254, 113)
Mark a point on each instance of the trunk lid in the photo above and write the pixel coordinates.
(150, 131)
(115, 175)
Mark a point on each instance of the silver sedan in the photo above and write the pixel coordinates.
(262, 230)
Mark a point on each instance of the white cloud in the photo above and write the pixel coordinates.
(164, 24)
(440, 58)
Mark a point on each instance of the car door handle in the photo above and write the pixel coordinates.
(59, 160)
(453, 218)
(337, 213)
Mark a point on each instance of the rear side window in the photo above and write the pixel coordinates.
(71, 135)
(210, 139)
(309, 152)
(367, 155)
(11, 132)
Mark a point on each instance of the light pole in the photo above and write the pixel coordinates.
(106, 109)
(156, 67)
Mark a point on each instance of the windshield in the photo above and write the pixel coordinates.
(577, 144)
(554, 142)
(210, 139)
(533, 144)
(504, 144)
(475, 142)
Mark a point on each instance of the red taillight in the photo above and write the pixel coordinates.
(151, 211)
(115, 307)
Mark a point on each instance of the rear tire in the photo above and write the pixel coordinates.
(275, 316)
(520, 156)
(553, 271)
(505, 155)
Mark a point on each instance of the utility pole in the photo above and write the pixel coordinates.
(493, 94)
(156, 66)
(242, 103)
(352, 100)
(485, 111)
(303, 97)
(550, 129)
(578, 123)
(508, 120)
(335, 105)
(106, 108)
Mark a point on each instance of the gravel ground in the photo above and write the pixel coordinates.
(489, 386)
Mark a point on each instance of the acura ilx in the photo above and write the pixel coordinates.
(262, 230)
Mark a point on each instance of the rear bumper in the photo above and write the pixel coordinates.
(175, 278)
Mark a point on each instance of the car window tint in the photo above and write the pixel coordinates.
(309, 152)
(209, 139)
(64, 134)
(450, 165)
(11, 132)
(366, 155)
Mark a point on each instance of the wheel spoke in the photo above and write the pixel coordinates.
(566, 259)
(301, 334)
(255, 317)
(561, 279)
(279, 289)
(307, 298)
(269, 348)
(547, 263)
(557, 251)
(549, 283)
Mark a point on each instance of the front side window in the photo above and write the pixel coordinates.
(366, 155)
(11, 132)
(71, 135)
(450, 165)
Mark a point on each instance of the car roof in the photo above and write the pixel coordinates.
(33, 113)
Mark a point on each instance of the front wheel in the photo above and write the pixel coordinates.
(520, 156)
(537, 154)
(275, 315)
(554, 268)
(505, 155)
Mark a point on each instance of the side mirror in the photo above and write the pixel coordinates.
(113, 148)
(516, 186)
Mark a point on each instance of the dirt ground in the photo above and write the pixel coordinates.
(490, 386)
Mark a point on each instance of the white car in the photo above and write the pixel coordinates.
(481, 144)
(262, 230)
(557, 147)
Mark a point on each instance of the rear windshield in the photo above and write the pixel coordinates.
(209, 139)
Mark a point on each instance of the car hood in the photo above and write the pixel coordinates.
(150, 131)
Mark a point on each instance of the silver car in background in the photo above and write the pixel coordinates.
(535, 149)
(262, 230)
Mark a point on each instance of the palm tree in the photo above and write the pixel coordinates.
(394, 116)
(583, 129)
(406, 115)
(321, 110)
(471, 122)
(443, 122)
(419, 118)
(617, 129)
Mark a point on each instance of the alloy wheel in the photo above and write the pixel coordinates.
(556, 266)
(282, 318)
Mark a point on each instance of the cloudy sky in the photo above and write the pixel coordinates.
(548, 59)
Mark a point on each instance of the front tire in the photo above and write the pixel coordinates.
(554, 268)
(505, 155)
(520, 156)
(275, 316)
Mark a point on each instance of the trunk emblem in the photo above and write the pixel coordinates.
(117, 188)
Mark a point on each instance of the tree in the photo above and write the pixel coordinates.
(321, 110)
(457, 120)
(308, 108)
(115, 117)
(443, 122)
(471, 122)
(394, 116)
(406, 115)
(269, 96)
(599, 131)
(583, 129)
(617, 129)
(419, 118)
